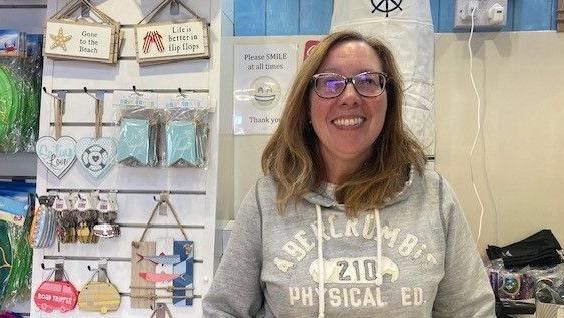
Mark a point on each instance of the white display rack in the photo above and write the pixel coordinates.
(202, 197)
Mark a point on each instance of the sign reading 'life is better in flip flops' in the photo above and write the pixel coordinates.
(160, 42)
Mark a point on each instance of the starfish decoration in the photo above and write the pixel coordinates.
(60, 40)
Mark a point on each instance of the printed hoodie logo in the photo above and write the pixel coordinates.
(352, 282)
(360, 270)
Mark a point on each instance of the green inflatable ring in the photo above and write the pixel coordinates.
(10, 107)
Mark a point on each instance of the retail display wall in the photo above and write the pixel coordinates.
(195, 193)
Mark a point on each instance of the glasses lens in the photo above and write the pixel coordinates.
(329, 85)
(370, 84)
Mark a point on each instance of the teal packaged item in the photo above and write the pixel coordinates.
(134, 142)
(181, 143)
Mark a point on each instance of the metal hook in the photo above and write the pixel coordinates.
(46, 268)
(85, 10)
(57, 97)
(135, 91)
(174, 7)
(89, 94)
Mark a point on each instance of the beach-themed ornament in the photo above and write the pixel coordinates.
(152, 272)
(56, 295)
(171, 41)
(101, 295)
(43, 231)
(89, 39)
(57, 154)
(96, 155)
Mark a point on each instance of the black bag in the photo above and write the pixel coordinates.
(539, 249)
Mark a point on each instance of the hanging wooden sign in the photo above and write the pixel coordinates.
(88, 40)
(171, 41)
(146, 281)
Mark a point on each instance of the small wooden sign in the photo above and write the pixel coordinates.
(82, 39)
(171, 41)
(162, 42)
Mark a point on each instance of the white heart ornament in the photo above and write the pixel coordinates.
(96, 155)
(57, 155)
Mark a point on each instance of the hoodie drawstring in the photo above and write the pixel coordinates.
(321, 261)
(378, 247)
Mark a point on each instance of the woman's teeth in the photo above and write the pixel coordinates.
(348, 122)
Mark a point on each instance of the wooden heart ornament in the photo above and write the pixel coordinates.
(96, 155)
(57, 155)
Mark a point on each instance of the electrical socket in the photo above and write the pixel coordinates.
(473, 5)
(488, 14)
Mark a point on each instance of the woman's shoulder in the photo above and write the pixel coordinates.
(433, 179)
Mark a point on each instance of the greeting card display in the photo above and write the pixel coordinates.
(171, 41)
(86, 39)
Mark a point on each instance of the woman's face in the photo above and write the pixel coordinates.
(348, 125)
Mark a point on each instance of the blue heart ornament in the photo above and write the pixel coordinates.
(96, 155)
(57, 155)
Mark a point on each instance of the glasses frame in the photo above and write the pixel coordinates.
(348, 80)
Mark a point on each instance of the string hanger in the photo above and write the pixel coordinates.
(173, 4)
(59, 110)
(99, 110)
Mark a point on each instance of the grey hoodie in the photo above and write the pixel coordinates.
(425, 263)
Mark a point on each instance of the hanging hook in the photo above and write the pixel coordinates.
(51, 94)
(174, 7)
(90, 94)
(135, 91)
(180, 93)
(46, 268)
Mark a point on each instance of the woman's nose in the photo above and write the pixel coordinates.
(350, 95)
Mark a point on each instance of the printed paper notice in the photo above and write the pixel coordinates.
(263, 75)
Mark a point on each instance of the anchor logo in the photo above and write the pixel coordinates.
(388, 7)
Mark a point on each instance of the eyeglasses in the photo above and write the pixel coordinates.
(367, 84)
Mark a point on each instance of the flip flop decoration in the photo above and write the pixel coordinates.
(57, 154)
(96, 155)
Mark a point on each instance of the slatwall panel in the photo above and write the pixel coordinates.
(193, 191)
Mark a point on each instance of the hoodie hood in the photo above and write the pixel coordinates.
(324, 195)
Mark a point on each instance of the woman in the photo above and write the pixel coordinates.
(347, 207)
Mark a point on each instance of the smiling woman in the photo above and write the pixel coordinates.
(347, 220)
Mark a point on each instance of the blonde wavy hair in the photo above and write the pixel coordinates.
(292, 156)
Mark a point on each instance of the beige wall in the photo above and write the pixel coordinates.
(519, 77)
